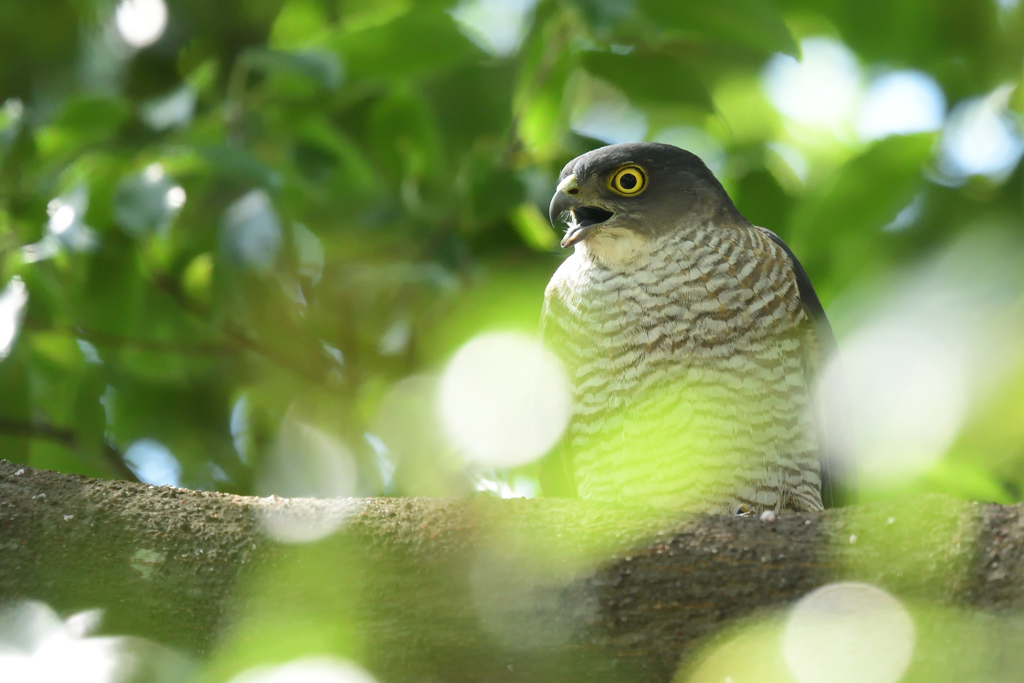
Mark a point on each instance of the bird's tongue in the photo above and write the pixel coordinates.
(586, 218)
(574, 235)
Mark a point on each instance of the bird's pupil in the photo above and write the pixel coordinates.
(627, 181)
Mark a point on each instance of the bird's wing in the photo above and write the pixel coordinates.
(556, 468)
(838, 476)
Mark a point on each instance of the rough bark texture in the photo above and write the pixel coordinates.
(480, 589)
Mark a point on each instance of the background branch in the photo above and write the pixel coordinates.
(66, 437)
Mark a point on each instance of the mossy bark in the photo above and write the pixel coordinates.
(481, 588)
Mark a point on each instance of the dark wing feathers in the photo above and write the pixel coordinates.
(838, 478)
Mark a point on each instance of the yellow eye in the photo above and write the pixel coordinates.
(629, 180)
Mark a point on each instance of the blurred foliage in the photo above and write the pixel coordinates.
(949, 645)
(242, 240)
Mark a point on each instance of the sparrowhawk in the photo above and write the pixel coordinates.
(692, 340)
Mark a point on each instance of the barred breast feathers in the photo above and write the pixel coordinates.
(713, 308)
(706, 260)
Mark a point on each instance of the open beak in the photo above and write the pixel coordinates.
(584, 218)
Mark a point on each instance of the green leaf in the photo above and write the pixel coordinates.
(533, 227)
(951, 38)
(649, 77)
(172, 110)
(83, 121)
(197, 279)
(240, 165)
(869, 189)
(359, 176)
(541, 108)
(424, 41)
(108, 301)
(299, 24)
(320, 66)
(762, 200)
(474, 104)
(492, 189)
(606, 17)
(753, 24)
(841, 222)
(966, 481)
(404, 136)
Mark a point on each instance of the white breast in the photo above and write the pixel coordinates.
(615, 247)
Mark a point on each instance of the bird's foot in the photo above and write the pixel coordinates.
(744, 510)
(766, 516)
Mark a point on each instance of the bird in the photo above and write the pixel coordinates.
(692, 340)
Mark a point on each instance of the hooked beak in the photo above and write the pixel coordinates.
(584, 218)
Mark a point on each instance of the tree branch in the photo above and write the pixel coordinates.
(66, 437)
(238, 338)
(479, 589)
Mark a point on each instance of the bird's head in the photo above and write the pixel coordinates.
(637, 189)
